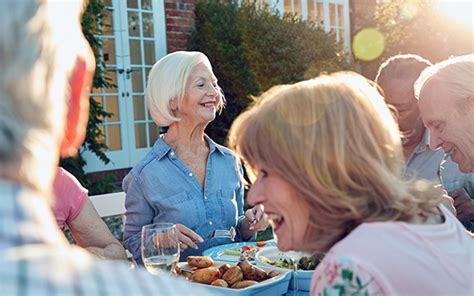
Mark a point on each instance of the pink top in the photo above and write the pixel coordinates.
(397, 258)
(70, 197)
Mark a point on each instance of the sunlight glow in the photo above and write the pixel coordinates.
(368, 44)
(461, 11)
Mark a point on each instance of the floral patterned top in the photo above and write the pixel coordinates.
(344, 277)
(398, 258)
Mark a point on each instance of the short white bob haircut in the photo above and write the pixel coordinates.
(457, 72)
(167, 82)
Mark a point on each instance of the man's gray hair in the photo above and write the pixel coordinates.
(36, 58)
(457, 72)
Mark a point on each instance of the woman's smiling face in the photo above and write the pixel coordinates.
(287, 210)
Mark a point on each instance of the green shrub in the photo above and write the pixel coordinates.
(217, 35)
(254, 49)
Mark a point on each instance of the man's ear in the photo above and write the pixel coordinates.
(78, 108)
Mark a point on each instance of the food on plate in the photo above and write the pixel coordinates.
(239, 276)
(205, 275)
(200, 261)
(224, 267)
(243, 284)
(246, 252)
(233, 275)
(304, 263)
(220, 283)
(252, 272)
(273, 273)
(233, 252)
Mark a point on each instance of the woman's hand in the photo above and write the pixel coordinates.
(187, 237)
(256, 218)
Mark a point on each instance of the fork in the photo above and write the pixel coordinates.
(223, 233)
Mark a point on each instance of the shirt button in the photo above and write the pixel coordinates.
(210, 222)
(190, 174)
(205, 197)
(172, 153)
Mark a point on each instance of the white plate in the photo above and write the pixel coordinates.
(275, 286)
(273, 254)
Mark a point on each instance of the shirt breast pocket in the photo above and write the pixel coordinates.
(228, 207)
(179, 208)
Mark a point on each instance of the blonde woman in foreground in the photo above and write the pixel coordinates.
(329, 170)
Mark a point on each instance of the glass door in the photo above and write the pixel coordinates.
(133, 41)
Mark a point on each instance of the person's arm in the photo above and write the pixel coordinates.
(91, 233)
(464, 205)
(253, 219)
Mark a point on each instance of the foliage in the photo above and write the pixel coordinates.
(92, 26)
(286, 49)
(252, 49)
(217, 35)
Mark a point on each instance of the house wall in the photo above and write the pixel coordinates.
(361, 15)
(179, 22)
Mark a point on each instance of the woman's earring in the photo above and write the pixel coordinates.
(173, 105)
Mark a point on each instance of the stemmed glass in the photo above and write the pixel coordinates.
(160, 247)
(294, 258)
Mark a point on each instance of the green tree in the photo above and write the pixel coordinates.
(217, 35)
(252, 49)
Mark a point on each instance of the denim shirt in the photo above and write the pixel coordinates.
(161, 188)
(425, 163)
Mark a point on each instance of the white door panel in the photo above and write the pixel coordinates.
(136, 40)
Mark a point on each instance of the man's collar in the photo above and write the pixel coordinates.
(424, 143)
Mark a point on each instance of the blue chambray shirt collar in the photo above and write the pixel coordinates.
(160, 148)
(424, 144)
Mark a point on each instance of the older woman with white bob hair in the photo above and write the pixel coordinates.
(187, 178)
(329, 168)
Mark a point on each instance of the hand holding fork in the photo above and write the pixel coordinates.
(256, 218)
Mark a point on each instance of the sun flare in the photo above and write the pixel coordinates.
(461, 11)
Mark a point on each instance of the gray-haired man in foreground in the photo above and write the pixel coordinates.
(46, 71)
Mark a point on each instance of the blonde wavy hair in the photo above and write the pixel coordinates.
(335, 141)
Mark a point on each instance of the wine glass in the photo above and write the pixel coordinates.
(160, 247)
(294, 258)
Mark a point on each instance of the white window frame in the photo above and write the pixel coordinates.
(279, 5)
(128, 156)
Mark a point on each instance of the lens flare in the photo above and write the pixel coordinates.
(460, 11)
(408, 10)
(368, 44)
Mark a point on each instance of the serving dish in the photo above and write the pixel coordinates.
(275, 255)
(277, 285)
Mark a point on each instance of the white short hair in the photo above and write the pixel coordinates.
(457, 72)
(167, 81)
(37, 54)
